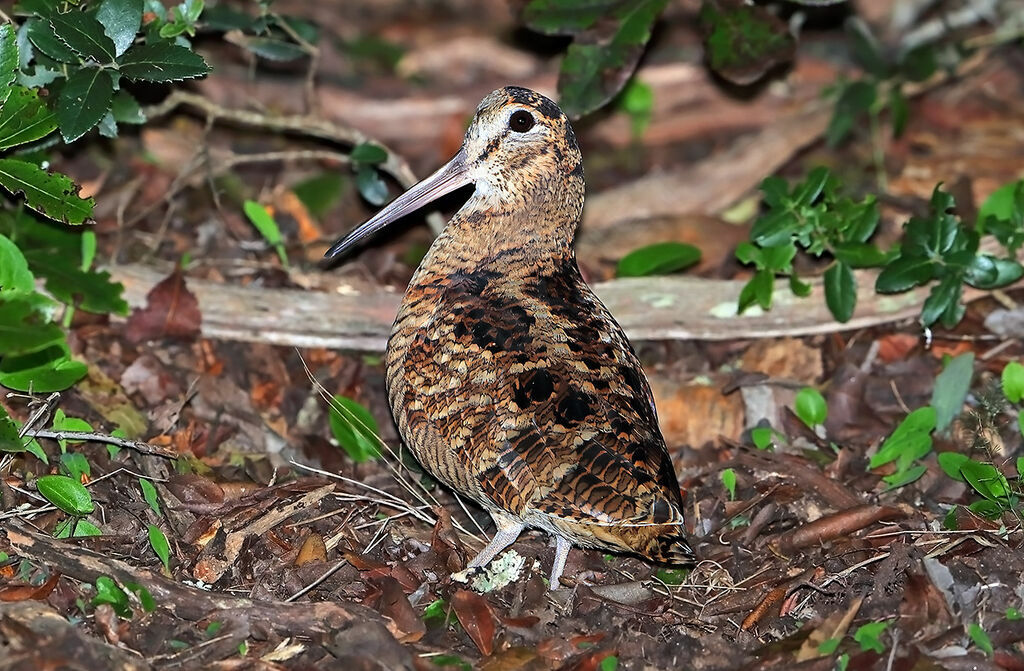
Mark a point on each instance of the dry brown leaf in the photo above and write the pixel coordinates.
(833, 626)
(313, 550)
(171, 311)
(475, 616)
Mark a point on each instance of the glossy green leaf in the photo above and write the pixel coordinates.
(41, 34)
(658, 259)
(108, 592)
(121, 20)
(354, 428)
(840, 291)
(778, 258)
(943, 302)
(951, 387)
(989, 272)
(84, 34)
(1013, 382)
(67, 494)
(810, 407)
(758, 290)
(83, 101)
(162, 62)
(904, 273)
(860, 254)
(910, 440)
(558, 17)
(23, 330)
(801, 289)
(53, 195)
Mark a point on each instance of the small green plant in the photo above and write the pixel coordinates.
(728, 477)
(354, 428)
(158, 541)
(868, 636)
(809, 405)
(365, 159)
(998, 495)
(938, 249)
(265, 223)
(908, 443)
(980, 638)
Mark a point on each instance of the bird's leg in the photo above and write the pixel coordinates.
(561, 554)
(508, 530)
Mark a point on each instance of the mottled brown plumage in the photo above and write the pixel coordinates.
(508, 378)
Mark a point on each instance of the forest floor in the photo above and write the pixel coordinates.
(285, 553)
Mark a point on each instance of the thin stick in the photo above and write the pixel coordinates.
(137, 445)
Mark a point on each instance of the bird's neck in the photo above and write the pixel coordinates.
(526, 232)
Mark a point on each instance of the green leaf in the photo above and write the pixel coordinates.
(23, 330)
(951, 463)
(757, 290)
(811, 188)
(53, 195)
(909, 441)
(84, 34)
(1004, 202)
(83, 101)
(158, 541)
(162, 62)
(905, 477)
(149, 493)
(840, 291)
(14, 273)
(320, 193)
(989, 272)
(121, 20)
(354, 428)
(981, 639)
(75, 465)
(108, 592)
(558, 17)
(10, 441)
(743, 41)
(951, 387)
(986, 480)
(728, 476)
(866, 50)
(61, 422)
(763, 437)
(270, 48)
(801, 289)
(8, 58)
(778, 258)
(943, 302)
(658, 259)
(919, 63)
(92, 291)
(368, 153)
(24, 118)
(600, 61)
(609, 663)
(899, 111)
(145, 598)
(637, 100)
(904, 274)
(867, 636)
(810, 407)
(42, 35)
(988, 509)
(1012, 377)
(67, 494)
(85, 528)
(371, 186)
(860, 254)
(855, 100)
(268, 228)
(829, 646)
(45, 371)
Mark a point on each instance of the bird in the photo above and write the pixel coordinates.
(507, 377)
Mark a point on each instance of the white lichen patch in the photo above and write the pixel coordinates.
(502, 571)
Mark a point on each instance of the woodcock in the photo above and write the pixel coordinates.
(508, 378)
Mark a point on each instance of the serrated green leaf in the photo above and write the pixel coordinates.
(8, 58)
(83, 101)
(24, 118)
(53, 195)
(92, 291)
(67, 494)
(121, 20)
(354, 428)
(162, 62)
(45, 371)
(14, 273)
(951, 387)
(84, 34)
(23, 330)
(904, 273)
(810, 407)
(1013, 382)
(658, 259)
(158, 541)
(149, 493)
(42, 35)
(840, 291)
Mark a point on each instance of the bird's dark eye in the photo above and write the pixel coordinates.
(521, 121)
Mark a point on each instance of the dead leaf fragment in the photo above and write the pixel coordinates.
(313, 550)
(171, 311)
(475, 616)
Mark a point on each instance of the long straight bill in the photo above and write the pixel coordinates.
(451, 176)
